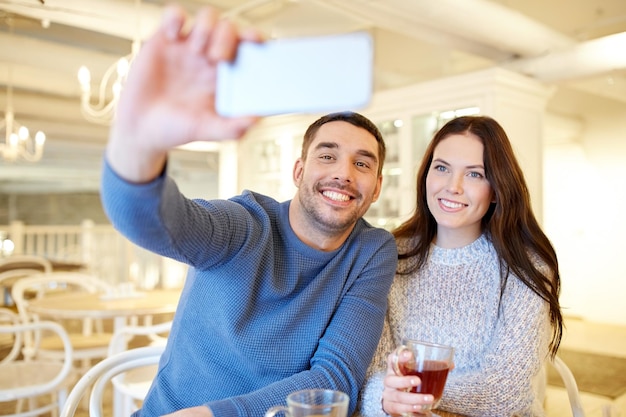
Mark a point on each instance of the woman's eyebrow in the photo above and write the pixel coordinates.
(443, 162)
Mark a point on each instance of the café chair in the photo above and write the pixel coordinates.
(15, 267)
(25, 261)
(94, 382)
(131, 387)
(89, 339)
(570, 386)
(32, 379)
(10, 277)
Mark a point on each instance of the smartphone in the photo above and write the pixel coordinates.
(297, 75)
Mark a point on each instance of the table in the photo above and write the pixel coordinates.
(119, 307)
(72, 305)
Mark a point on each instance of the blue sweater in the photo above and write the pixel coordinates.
(261, 313)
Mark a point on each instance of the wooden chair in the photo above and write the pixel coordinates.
(30, 379)
(131, 387)
(95, 380)
(89, 340)
(16, 267)
(570, 385)
(25, 261)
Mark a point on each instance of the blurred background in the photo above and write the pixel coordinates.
(574, 51)
(553, 73)
(43, 43)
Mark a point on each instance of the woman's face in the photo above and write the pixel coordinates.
(457, 191)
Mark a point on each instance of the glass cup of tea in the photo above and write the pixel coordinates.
(431, 362)
(313, 403)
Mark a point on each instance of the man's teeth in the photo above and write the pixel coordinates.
(451, 204)
(336, 196)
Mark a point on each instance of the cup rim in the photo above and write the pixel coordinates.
(339, 397)
(406, 340)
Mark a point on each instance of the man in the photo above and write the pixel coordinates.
(280, 296)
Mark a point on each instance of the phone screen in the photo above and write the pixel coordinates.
(297, 75)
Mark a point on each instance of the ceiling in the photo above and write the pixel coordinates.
(44, 42)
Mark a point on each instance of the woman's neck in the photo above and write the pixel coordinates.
(455, 238)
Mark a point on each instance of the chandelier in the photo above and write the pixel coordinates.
(18, 143)
(101, 110)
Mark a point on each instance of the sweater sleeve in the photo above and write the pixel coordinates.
(514, 358)
(369, 404)
(157, 217)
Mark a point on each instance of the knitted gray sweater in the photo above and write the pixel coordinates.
(500, 343)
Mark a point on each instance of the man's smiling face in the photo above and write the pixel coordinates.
(338, 180)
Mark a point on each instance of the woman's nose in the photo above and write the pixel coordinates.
(455, 184)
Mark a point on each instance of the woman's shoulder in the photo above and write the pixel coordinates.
(405, 244)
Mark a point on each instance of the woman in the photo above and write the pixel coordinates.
(476, 272)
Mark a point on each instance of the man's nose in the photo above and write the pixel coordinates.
(344, 171)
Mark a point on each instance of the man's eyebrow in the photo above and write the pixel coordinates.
(368, 154)
(334, 145)
(326, 145)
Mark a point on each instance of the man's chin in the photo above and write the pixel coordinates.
(339, 225)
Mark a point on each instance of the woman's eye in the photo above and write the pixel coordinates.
(475, 174)
(439, 168)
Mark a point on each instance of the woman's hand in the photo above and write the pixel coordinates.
(397, 395)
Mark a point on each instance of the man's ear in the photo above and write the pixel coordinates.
(379, 187)
(298, 170)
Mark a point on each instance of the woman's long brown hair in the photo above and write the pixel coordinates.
(509, 223)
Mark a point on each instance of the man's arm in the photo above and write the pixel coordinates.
(169, 96)
(346, 349)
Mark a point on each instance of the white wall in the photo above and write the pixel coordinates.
(585, 211)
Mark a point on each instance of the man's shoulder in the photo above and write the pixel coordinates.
(372, 236)
(252, 197)
(250, 203)
(364, 226)
(376, 247)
